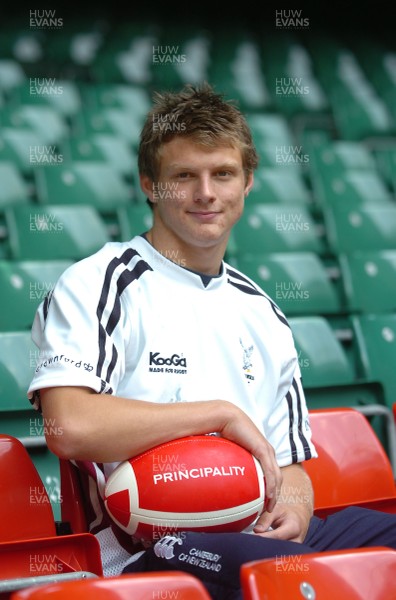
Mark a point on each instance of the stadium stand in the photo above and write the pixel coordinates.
(318, 232)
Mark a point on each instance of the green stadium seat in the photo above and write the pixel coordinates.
(270, 127)
(376, 340)
(323, 360)
(360, 114)
(369, 280)
(24, 285)
(179, 56)
(235, 68)
(353, 187)
(91, 183)
(275, 228)
(116, 121)
(385, 157)
(40, 119)
(107, 148)
(368, 227)
(134, 219)
(54, 232)
(297, 282)
(131, 98)
(58, 94)
(126, 55)
(21, 147)
(13, 189)
(18, 359)
(338, 156)
(330, 375)
(11, 75)
(274, 186)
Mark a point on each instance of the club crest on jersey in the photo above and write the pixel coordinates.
(174, 363)
(246, 360)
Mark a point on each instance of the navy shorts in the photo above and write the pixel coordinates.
(216, 558)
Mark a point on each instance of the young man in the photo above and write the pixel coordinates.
(168, 294)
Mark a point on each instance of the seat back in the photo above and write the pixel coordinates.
(369, 280)
(368, 227)
(140, 586)
(298, 282)
(25, 508)
(352, 466)
(267, 228)
(376, 340)
(24, 285)
(344, 574)
(323, 359)
(72, 508)
(54, 232)
(18, 359)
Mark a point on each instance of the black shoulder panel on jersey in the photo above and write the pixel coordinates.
(46, 304)
(121, 281)
(248, 288)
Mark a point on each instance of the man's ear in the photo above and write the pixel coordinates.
(249, 183)
(147, 187)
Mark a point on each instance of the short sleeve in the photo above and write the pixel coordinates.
(80, 333)
(288, 428)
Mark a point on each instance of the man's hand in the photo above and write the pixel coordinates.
(292, 514)
(240, 428)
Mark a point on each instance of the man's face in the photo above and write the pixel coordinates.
(200, 192)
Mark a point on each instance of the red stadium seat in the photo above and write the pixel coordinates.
(344, 574)
(30, 550)
(25, 508)
(72, 509)
(352, 468)
(140, 586)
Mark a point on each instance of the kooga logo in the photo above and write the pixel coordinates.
(175, 360)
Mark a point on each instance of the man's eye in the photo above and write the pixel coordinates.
(183, 175)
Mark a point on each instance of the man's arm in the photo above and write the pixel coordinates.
(86, 425)
(294, 509)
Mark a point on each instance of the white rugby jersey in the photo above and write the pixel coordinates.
(130, 322)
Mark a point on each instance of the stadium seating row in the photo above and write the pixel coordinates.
(300, 283)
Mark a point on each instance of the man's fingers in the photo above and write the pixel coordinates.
(273, 480)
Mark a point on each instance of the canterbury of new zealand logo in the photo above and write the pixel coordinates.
(246, 361)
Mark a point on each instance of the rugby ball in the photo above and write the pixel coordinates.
(198, 483)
